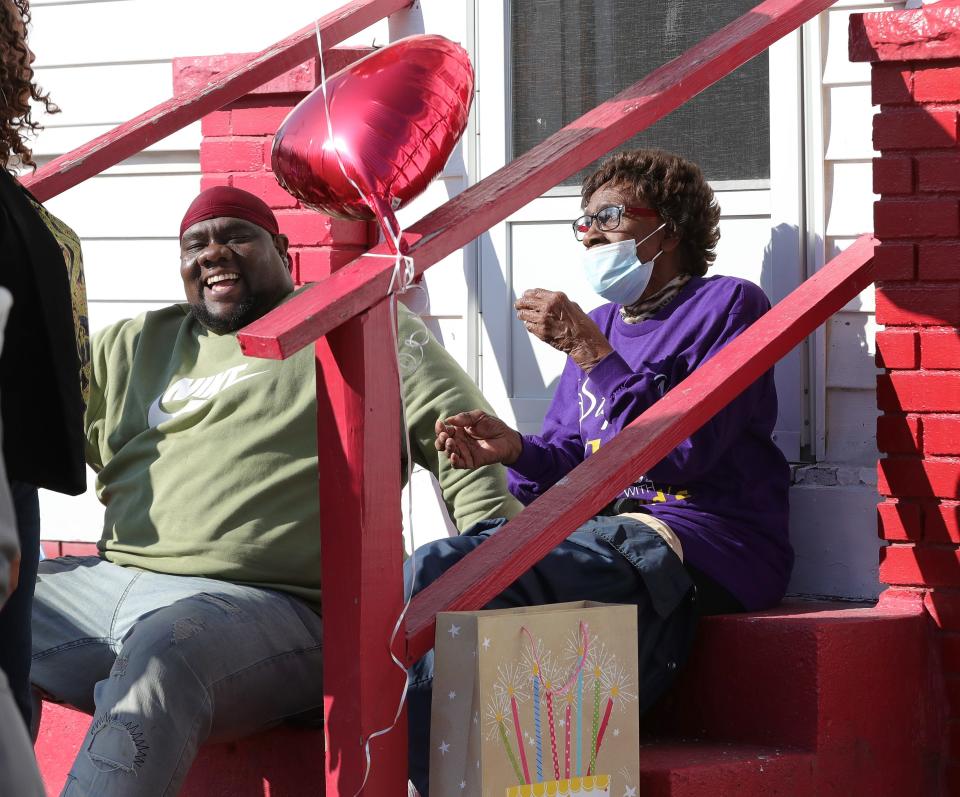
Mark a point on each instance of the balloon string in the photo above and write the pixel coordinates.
(403, 274)
(403, 267)
(326, 108)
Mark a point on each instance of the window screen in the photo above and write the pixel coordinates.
(568, 56)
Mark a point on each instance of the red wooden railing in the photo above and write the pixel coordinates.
(347, 315)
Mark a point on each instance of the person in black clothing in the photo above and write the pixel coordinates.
(44, 367)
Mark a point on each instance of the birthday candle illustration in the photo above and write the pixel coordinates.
(508, 684)
(536, 720)
(577, 650)
(600, 662)
(566, 737)
(579, 721)
(532, 664)
(548, 689)
(616, 684)
(506, 745)
(516, 730)
(496, 717)
(596, 720)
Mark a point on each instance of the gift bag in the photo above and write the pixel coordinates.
(538, 700)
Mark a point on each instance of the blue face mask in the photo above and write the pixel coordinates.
(615, 272)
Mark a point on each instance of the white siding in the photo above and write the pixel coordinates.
(833, 517)
(845, 174)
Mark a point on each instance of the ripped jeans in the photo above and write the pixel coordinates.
(165, 663)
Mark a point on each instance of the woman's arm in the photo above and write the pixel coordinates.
(548, 457)
(629, 393)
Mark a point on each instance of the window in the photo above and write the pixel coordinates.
(568, 56)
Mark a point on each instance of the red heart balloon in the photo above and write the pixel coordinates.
(396, 116)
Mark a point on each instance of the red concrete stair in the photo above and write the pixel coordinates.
(803, 701)
(807, 699)
(696, 768)
(282, 762)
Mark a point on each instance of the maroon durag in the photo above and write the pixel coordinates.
(224, 200)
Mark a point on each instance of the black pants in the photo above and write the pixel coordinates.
(15, 616)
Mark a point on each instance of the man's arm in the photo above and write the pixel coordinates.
(94, 419)
(435, 386)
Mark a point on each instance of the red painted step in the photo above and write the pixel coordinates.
(698, 769)
(853, 686)
(807, 700)
(282, 762)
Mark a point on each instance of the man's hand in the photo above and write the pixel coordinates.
(556, 320)
(471, 439)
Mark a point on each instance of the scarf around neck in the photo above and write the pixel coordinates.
(642, 310)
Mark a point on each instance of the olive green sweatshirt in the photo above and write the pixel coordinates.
(206, 459)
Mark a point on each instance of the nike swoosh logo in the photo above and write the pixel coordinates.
(157, 415)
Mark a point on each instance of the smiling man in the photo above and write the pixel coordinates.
(200, 619)
(233, 259)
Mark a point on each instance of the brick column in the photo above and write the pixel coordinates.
(235, 150)
(915, 58)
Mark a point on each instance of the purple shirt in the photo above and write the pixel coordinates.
(723, 490)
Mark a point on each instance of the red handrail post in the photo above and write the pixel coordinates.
(358, 444)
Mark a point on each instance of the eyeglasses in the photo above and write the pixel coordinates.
(608, 218)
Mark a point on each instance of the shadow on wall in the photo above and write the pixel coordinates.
(833, 497)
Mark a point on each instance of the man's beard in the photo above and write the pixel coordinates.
(244, 313)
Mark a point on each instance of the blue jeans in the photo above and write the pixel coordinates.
(15, 615)
(165, 663)
(608, 559)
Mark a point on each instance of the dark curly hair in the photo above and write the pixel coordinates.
(16, 84)
(677, 189)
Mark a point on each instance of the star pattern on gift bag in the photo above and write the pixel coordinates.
(454, 631)
(444, 748)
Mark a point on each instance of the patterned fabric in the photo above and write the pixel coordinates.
(73, 260)
(636, 313)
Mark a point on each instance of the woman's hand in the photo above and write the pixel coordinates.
(556, 320)
(471, 439)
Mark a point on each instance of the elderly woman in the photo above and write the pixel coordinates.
(705, 530)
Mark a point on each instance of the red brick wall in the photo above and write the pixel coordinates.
(235, 150)
(916, 83)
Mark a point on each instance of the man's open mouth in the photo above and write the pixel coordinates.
(222, 283)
